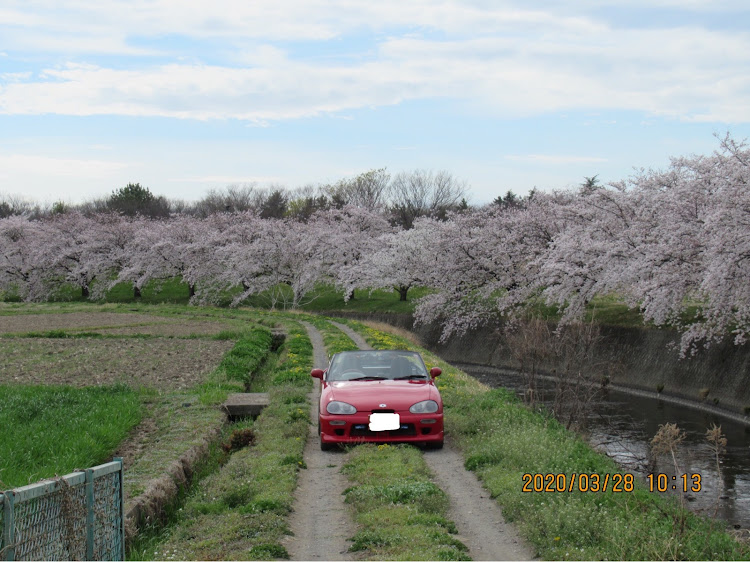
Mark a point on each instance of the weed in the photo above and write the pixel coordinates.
(502, 439)
(240, 511)
(239, 439)
(49, 430)
(401, 517)
(269, 551)
(718, 442)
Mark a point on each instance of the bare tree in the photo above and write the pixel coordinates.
(305, 201)
(15, 205)
(235, 198)
(367, 190)
(424, 193)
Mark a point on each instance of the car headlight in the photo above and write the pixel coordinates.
(424, 407)
(336, 407)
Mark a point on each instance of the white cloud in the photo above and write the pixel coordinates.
(512, 61)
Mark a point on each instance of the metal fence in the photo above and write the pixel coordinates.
(75, 517)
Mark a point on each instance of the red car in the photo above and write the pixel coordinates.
(378, 397)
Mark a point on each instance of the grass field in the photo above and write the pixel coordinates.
(501, 440)
(157, 421)
(80, 378)
(52, 430)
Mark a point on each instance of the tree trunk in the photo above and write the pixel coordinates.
(192, 290)
(402, 293)
(85, 291)
(351, 295)
(136, 292)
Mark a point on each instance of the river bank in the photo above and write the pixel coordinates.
(715, 380)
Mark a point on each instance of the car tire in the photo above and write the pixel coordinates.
(435, 445)
(327, 446)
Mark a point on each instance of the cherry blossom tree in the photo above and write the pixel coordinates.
(66, 252)
(20, 273)
(398, 260)
(485, 263)
(263, 255)
(345, 237)
(724, 241)
(162, 250)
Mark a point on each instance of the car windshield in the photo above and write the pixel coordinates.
(377, 365)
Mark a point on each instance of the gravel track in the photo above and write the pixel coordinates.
(479, 519)
(321, 522)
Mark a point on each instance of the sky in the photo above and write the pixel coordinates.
(183, 96)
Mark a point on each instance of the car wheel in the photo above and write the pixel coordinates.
(327, 446)
(435, 445)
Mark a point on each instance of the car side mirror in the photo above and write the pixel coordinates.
(435, 371)
(317, 373)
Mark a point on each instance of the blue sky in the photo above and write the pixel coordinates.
(188, 96)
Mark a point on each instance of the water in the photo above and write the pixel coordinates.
(622, 426)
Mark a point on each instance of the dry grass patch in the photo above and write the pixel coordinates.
(154, 363)
(21, 323)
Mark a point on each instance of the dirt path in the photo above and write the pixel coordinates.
(321, 521)
(354, 336)
(479, 519)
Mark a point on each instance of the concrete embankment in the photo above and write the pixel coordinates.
(715, 379)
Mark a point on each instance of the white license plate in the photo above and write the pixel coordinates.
(385, 422)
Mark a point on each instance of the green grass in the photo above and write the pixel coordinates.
(334, 339)
(239, 365)
(327, 298)
(604, 309)
(247, 355)
(173, 291)
(501, 439)
(48, 430)
(324, 298)
(403, 515)
(240, 512)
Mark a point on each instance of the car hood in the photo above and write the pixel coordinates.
(369, 395)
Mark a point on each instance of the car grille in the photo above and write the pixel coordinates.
(363, 430)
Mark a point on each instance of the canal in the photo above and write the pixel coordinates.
(622, 425)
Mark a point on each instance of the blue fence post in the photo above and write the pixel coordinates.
(9, 526)
(89, 514)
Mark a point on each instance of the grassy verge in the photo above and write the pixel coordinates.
(247, 355)
(51, 430)
(183, 420)
(501, 440)
(402, 517)
(334, 339)
(240, 511)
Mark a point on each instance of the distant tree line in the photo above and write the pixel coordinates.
(403, 197)
(675, 244)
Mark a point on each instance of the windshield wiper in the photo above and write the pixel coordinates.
(368, 378)
(421, 377)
